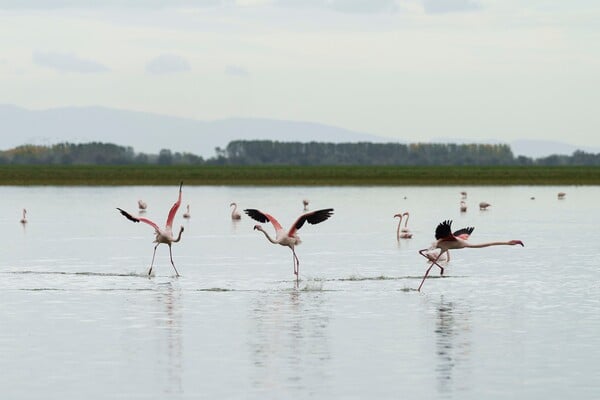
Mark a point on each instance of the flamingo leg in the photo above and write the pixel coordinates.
(433, 262)
(172, 263)
(296, 265)
(152, 263)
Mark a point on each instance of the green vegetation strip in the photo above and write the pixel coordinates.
(294, 175)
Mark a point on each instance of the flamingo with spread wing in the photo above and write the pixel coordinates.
(162, 235)
(289, 238)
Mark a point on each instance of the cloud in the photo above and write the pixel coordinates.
(345, 6)
(236, 70)
(167, 64)
(85, 4)
(65, 62)
(448, 6)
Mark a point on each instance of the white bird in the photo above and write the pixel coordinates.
(463, 206)
(235, 215)
(24, 219)
(483, 205)
(289, 238)
(187, 214)
(305, 204)
(162, 235)
(142, 205)
(561, 195)
(402, 233)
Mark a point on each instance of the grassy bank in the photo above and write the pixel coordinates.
(279, 175)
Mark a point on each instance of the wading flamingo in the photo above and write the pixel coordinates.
(235, 215)
(561, 195)
(447, 240)
(162, 235)
(463, 206)
(484, 205)
(142, 205)
(463, 195)
(187, 214)
(402, 233)
(24, 219)
(305, 204)
(289, 238)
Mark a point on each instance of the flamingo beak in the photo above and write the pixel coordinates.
(256, 227)
(519, 242)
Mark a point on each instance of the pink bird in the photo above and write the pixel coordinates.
(162, 235)
(289, 238)
(403, 233)
(447, 240)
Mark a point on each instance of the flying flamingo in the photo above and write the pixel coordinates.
(447, 240)
(484, 205)
(24, 219)
(402, 233)
(463, 206)
(162, 235)
(235, 215)
(289, 238)
(187, 214)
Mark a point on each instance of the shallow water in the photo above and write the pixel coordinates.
(80, 317)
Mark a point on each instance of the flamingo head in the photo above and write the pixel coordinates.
(399, 215)
(513, 242)
(258, 227)
(232, 204)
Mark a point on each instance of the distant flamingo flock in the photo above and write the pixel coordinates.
(445, 238)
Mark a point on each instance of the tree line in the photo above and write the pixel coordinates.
(268, 152)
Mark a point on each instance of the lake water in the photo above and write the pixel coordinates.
(80, 318)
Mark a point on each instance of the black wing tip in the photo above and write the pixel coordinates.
(127, 215)
(256, 215)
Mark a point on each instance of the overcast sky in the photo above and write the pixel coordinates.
(407, 69)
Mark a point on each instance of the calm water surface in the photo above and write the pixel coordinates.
(80, 318)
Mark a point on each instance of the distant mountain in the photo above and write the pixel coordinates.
(149, 133)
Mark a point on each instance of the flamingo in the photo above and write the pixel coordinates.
(463, 195)
(446, 240)
(142, 205)
(463, 206)
(24, 219)
(162, 235)
(235, 215)
(561, 195)
(402, 233)
(187, 214)
(305, 204)
(289, 238)
(484, 205)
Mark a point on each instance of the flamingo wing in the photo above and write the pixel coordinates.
(260, 216)
(174, 209)
(140, 219)
(313, 217)
(444, 230)
(464, 233)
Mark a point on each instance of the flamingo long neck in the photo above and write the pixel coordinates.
(234, 205)
(477, 246)
(406, 220)
(178, 236)
(269, 238)
(399, 226)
